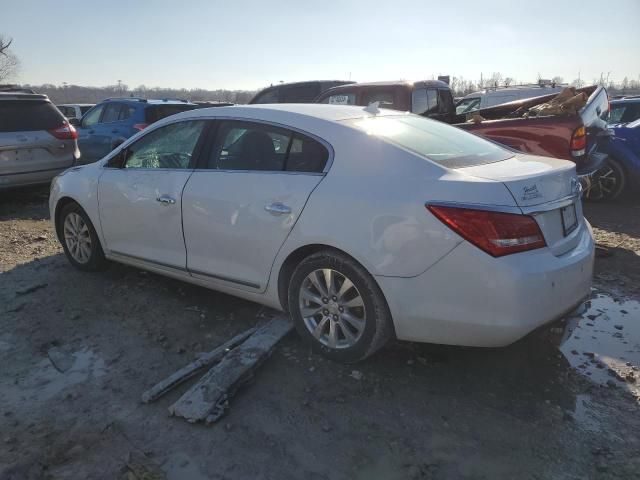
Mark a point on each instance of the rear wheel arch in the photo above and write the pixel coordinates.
(298, 255)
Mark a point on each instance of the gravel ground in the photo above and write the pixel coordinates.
(561, 403)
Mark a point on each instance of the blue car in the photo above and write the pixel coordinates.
(112, 121)
(621, 172)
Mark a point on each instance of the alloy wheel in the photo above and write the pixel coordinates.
(605, 185)
(77, 237)
(332, 308)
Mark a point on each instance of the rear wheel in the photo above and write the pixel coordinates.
(608, 183)
(338, 308)
(80, 240)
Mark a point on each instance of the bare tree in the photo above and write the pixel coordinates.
(9, 63)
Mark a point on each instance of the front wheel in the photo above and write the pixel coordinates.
(80, 240)
(608, 182)
(338, 308)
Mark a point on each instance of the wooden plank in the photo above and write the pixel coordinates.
(207, 399)
(190, 370)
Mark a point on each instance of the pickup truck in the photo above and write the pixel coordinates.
(570, 137)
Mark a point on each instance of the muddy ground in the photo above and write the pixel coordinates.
(534, 410)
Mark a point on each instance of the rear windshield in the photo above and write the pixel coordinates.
(441, 143)
(155, 113)
(28, 116)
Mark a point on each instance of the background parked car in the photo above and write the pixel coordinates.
(429, 98)
(624, 110)
(112, 121)
(298, 92)
(36, 141)
(75, 110)
(499, 95)
(621, 172)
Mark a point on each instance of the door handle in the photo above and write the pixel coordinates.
(278, 208)
(166, 200)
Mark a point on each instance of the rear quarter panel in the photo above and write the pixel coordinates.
(371, 205)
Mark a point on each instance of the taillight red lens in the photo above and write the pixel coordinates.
(579, 141)
(140, 126)
(64, 132)
(496, 233)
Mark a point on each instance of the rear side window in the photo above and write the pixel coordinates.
(300, 93)
(385, 99)
(624, 112)
(441, 143)
(84, 110)
(340, 99)
(28, 115)
(257, 147)
(158, 112)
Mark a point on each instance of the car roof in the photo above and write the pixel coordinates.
(282, 111)
(148, 101)
(305, 82)
(75, 104)
(22, 96)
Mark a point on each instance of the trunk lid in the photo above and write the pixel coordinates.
(532, 180)
(545, 188)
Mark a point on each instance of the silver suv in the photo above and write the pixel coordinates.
(36, 140)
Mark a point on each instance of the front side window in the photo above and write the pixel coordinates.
(252, 146)
(111, 113)
(270, 96)
(467, 105)
(424, 101)
(441, 143)
(171, 146)
(92, 117)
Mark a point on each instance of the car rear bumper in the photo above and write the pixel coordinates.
(470, 298)
(26, 179)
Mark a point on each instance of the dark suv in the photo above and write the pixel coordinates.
(299, 92)
(112, 121)
(429, 98)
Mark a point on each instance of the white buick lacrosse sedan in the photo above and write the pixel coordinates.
(363, 224)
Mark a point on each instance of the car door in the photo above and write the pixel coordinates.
(88, 140)
(109, 132)
(140, 195)
(244, 199)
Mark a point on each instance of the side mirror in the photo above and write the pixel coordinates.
(75, 122)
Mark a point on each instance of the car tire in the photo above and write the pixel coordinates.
(608, 183)
(79, 239)
(351, 320)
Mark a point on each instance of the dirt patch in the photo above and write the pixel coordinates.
(78, 351)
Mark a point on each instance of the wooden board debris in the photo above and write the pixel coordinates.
(207, 399)
(190, 370)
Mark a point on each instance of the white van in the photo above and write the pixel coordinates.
(497, 96)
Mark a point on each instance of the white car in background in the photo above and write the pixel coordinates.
(363, 224)
(75, 110)
(499, 95)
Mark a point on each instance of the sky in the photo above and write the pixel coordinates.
(247, 44)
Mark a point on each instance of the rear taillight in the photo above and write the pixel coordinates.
(140, 126)
(579, 142)
(496, 233)
(64, 132)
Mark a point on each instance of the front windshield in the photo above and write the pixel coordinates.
(467, 105)
(443, 144)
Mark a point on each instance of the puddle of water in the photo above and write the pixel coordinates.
(603, 342)
(180, 467)
(44, 382)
